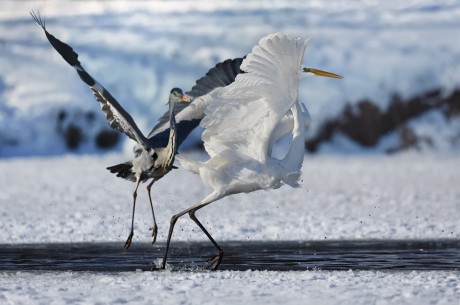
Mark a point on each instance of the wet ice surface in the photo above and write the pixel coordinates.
(239, 256)
(328, 272)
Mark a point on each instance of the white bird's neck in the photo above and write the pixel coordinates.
(294, 158)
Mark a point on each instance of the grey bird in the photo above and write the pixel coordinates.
(150, 163)
(154, 154)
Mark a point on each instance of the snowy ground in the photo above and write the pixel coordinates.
(251, 287)
(73, 198)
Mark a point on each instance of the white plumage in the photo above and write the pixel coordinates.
(243, 116)
(245, 119)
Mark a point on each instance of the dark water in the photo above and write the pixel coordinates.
(273, 255)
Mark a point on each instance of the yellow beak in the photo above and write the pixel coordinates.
(318, 72)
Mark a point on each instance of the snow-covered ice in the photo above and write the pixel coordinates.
(225, 287)
(73, 198)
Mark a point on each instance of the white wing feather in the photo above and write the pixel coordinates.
(243, 115)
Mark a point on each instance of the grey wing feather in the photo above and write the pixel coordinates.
(164, 119)
(223, 74)
(116, 116)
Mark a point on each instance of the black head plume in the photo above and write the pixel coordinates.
(178, 90)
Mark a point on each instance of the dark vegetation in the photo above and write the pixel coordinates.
(366, 124)
(74, 131)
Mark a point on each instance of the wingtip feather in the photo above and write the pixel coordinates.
(62, 48)
(38, 19)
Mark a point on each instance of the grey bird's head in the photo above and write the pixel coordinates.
(176, 96)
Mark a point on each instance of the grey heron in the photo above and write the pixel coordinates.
(242, 123)
(154, 154)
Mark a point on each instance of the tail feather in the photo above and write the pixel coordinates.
(190, 165)
(123, 170)
(292, 179)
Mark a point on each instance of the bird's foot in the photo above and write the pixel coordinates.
(154, 230)
(129, 240)
(214, 262)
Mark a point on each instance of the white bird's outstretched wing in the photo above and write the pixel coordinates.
(243, 115)
(116, 116)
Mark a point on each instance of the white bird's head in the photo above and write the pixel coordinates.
(306, 71)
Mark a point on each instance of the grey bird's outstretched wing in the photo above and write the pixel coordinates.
(116, 116)
(189, 115)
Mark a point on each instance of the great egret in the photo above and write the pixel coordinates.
(154, 154)
(242, 123)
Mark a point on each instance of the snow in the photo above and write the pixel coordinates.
(139, 50)
(73, 199)
(250, 287)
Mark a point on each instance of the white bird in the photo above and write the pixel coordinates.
(154, 154)
(244, 120)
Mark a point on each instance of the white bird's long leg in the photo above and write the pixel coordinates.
(215, 261)
(155, 227)
(131, 233)
(209, 199)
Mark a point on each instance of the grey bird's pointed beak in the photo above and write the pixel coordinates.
(186, 98)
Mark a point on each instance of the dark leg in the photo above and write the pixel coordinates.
(131, 233)
(171, 229)
(215, 261)
(210, 198)
(154, 229)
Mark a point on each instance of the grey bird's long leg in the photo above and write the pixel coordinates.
(154, 229)
(209, 199)
(131, 233)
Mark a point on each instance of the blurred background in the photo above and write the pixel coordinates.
(400, 61)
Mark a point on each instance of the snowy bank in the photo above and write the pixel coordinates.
(141, 49)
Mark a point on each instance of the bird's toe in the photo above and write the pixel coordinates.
(215, 261)
(129, 240)
(154, 230)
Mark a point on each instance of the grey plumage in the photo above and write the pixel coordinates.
(188, 118)
(154, 154)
